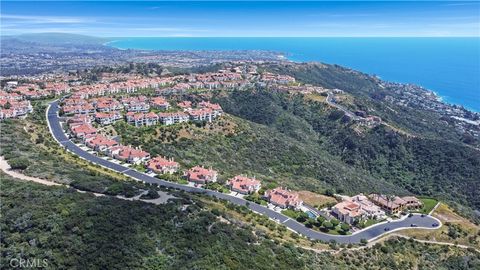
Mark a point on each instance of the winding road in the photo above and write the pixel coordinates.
(369, 233)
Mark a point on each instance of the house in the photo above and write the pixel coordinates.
(412, 202)
(173, 118)
(7, 113)
(100, 143)
(136, 104)
(78, 109)
(162, 165)
(185, 105)
(371, 210)
(79, 119)
(348, 211)
(128, 154)
(200, 175)
(82, 130)
(395, 204)
(108, 105)
(142, 119)
(201, 114)
(160, 103)
(107, 118)
(243, 184)
(216, 108)
(283, 198)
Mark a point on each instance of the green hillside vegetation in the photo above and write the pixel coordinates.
(305, 144)
(27, 145)
(423, 166)
(79, 231)
(259, 150)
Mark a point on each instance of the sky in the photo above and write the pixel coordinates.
(243, 19)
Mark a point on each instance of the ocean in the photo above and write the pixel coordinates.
(448, 66)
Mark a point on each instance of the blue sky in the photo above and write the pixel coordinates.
(242, 19)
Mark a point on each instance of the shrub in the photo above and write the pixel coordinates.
(19, 163)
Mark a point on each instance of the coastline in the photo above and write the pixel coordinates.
(288, 56)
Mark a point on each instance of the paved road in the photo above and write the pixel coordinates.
(340, 107)
(368, 234)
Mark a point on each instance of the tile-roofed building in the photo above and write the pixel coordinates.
(243, 184)
(159, 103)
(107, 118)
(203, 114)
(100, 143)
(173, 118)
(82, 130)
(201, 175)
(142, 119)
(162, 165)
(79, 119)
(283, 198)
(185, 105)
(128, 154)
(348, 211)
(371, 210)
(395, 204)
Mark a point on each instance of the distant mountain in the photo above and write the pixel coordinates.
(59, 39)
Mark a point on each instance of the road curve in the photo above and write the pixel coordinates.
(370, 233)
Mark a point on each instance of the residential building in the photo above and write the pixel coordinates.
(160, 103)
(100, 143)
(348, 211)
(82, 130)
(395, 204)
(173, 118)
(243, 184)
(185, 105)
(201, 114)
(142, 119)
(107, 118)
(283, 198)
(128, 154)
(371, 210)
(162, 165)
(201, 175)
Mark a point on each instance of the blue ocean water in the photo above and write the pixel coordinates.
(448, 66)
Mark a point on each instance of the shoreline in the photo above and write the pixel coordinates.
(286, 56)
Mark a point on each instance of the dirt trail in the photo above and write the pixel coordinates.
(5, 167)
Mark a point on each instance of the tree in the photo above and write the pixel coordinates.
(335, 222)
(345, 227)
(320, 220)
(329, 192)
(302, 217)
(18, 163)
(327, 225)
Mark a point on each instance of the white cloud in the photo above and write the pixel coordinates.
(44, 19)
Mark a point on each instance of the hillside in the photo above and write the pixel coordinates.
(73, 230)
(60, 38)
(302, 142)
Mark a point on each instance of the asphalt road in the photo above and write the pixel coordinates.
(368, 234)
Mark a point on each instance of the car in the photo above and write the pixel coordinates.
(435, 224)
(410, 215)
(423, 215)
(413, 225)
(386, 229)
